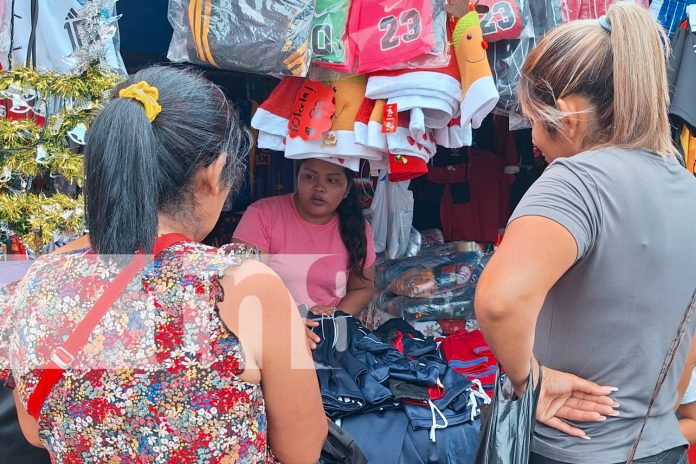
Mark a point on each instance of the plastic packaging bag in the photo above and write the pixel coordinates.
(378, 213)
(461, 270)
(69, 34)
(389, 270)
(432, 237)
(414, 243)
(387, 33)
(400, 206)
(329, 31)
(509, 424)
(546, 15)
(440, 55)
(391, 215)
(261, 37)
(502, 21)
(458, 304)
(508, 57)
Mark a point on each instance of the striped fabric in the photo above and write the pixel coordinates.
(670, 13)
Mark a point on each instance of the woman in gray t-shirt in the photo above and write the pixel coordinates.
(598, 262)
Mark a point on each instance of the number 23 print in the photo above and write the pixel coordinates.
(406, 28)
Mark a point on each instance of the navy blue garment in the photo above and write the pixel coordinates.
(355, 389)
(337, 375)
(387, 331)
(455, 405)
(388, 438)
(347, 375)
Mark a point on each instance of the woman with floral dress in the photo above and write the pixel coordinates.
(202, 355)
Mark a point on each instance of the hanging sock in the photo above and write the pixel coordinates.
(417, 124)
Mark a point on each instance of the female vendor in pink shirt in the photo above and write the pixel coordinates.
(318, 241)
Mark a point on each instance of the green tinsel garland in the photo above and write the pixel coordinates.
(28, 150)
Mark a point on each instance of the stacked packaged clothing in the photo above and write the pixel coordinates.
(435, 285)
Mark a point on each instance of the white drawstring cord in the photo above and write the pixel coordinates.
(478, 393)
(434, 409)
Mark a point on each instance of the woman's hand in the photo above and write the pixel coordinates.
(314, 339)
(324, 310)
(568, 397)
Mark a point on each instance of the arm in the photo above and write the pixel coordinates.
(534, 254)
(687, 421)
(358, 292)
(685, 393)
(689, 367)
(29, 426)
(259, 309)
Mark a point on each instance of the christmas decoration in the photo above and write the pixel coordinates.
(44, 117)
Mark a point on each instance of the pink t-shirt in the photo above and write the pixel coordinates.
(311, 259)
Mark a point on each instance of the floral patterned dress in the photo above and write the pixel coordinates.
(158, 380)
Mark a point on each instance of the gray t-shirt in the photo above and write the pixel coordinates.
(613, 315)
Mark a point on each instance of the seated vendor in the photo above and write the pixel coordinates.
(319, 242)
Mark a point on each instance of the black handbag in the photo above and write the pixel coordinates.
(13, 446)
(507, 431)
(340, 448)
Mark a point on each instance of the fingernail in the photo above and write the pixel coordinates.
(601, 418)
(612, 389)
(615, 405)
(615, 413)
(586, 437)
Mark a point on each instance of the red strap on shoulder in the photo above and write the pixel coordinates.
(168, 240)
(63, 355)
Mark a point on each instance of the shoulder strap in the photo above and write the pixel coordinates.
(674, 347)
(63, 355)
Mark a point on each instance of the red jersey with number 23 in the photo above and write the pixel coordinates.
(389, 32)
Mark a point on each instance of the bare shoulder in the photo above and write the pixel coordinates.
(78, 244)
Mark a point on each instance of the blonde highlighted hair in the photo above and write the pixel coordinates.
(621, 72)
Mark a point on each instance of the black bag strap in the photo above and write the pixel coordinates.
(339, 447)
(674, 347)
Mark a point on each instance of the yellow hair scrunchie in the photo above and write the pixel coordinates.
(145, 94)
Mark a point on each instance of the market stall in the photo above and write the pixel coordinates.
(416, 98)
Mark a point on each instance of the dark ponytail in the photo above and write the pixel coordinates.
(121, 180)
(135, 169)
(352, 225)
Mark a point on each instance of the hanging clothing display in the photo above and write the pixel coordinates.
(60, 30)
(688, 143)
(592, 9)
(681, 74)
(389, 32)
(5, 34)
(329, 29)
(681, 70)
(337, 138)
(478, 86)
(270, 37)
(669, 13)
(502, 21)
(474, 196)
